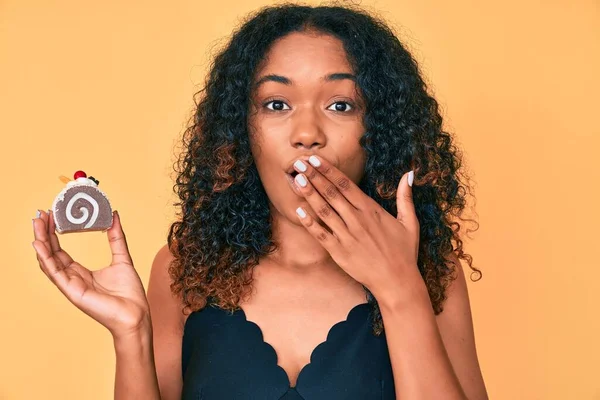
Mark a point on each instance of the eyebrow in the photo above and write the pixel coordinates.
(338, 76)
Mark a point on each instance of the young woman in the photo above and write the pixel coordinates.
(313, 257)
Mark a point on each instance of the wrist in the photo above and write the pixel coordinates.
(139, 336)
(403, 297)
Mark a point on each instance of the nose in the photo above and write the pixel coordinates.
(307, 130)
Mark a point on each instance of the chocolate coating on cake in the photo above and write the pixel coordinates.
(81, 208)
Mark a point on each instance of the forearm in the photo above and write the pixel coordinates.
(420, 364)
(135, 370)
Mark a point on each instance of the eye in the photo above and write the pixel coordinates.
(341, 106)
(277, 105)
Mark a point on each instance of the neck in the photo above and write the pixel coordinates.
(297, 249)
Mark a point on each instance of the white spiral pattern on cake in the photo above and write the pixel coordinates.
(86, 213)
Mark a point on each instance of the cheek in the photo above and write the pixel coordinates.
(258, 144)
(267, 161)
(356, 166)
(352, 157)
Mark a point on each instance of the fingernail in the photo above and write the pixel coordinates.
(314, 161)
(301, 180)
(300, 165)
(300, 212)
(38, 214)
(411, 177)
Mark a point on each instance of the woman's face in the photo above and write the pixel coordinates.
(305, 101)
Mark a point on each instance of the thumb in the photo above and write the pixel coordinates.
(118, 242)
(404, 201)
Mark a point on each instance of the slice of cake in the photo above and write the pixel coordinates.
(82, 206)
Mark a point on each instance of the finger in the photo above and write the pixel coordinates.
(322, 208)
(326, 239)
(350, 191)
(329, 192)
(63, 256)
(49, 265)
(404, 202)
(118, 242)
(40, 230)
(52, 233)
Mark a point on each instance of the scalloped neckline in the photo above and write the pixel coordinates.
(311, 359)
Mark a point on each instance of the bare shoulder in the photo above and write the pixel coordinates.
(455, 324)
(159, 287)
(167, 326)
(160, 296)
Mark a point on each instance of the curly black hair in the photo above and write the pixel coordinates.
(223, 226)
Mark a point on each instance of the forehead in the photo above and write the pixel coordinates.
(305, 54)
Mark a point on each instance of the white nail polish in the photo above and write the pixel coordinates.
(314, 161)
(411, 177)
(301, 180)
(300, 165)
(38, 214)
(300, 212)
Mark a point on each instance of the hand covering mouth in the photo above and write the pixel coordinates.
(290, 169)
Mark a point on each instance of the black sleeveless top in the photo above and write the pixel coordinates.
(224, 357)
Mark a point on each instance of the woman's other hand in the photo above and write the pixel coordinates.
(114, 296)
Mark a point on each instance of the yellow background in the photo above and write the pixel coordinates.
(107, 87)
